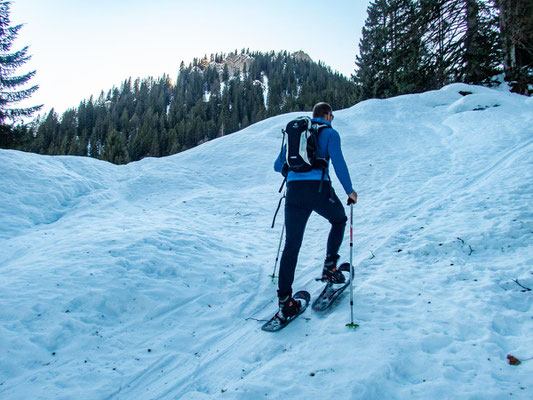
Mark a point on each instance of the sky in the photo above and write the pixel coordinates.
(80, 48)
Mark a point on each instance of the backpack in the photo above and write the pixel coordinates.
(301, 151)
(300, 138)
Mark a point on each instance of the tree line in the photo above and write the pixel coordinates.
(407, 46)
(410, 46)
(209, 98)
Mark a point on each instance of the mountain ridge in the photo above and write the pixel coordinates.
(211, 97)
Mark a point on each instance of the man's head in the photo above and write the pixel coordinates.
(323, 110)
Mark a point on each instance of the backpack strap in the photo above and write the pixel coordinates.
(279, 205)
(324, 172)
(322, 180)
(321, 163)
(282, 184)
(283, 132)
(319, 126)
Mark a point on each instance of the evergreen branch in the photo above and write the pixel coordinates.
(11, 34)
(15, 97)
(15, 113)
(14, 81)
(14, 60)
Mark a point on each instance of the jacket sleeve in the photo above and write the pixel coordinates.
(280, 161)
(337, 159)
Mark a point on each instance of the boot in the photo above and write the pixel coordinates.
(288, 307)
(330, 272)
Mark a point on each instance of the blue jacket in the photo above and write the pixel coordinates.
(329, 147)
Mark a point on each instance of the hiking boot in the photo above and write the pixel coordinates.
(330, 272)
(288, 307)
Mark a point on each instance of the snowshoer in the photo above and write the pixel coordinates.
(308, 192)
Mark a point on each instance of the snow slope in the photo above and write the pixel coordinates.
(146, 281)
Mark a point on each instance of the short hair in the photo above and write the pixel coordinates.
(320, 110)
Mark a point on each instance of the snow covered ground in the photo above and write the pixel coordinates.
(146, 281)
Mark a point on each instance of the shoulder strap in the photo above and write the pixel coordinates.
(318, 127)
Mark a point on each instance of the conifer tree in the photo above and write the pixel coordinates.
(415, 45)
(47, 133)
(11, 84)
(391, 51)
(464, 39)
(115, 148)
(516, 24)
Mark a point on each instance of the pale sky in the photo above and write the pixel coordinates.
(81, 47)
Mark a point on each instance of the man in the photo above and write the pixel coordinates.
(303, 197)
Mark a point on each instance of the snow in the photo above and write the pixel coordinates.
(147, 280)
(265, 84)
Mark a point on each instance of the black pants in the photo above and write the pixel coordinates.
(302, 199)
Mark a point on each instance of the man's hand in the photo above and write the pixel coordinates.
(352, 198)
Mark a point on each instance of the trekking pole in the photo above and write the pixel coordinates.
(273, 276)
(351, 324)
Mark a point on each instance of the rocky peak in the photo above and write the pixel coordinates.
(301, 56)
(237, 62)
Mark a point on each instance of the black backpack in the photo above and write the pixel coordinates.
(301, 152)
(301, 140)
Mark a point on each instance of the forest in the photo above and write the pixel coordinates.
(211, 97)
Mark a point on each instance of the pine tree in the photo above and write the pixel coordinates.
(463, 37)
(115, 148)
(10, 92)
(416, 45)
(47, 133)
(390, 58)
(516, 24)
